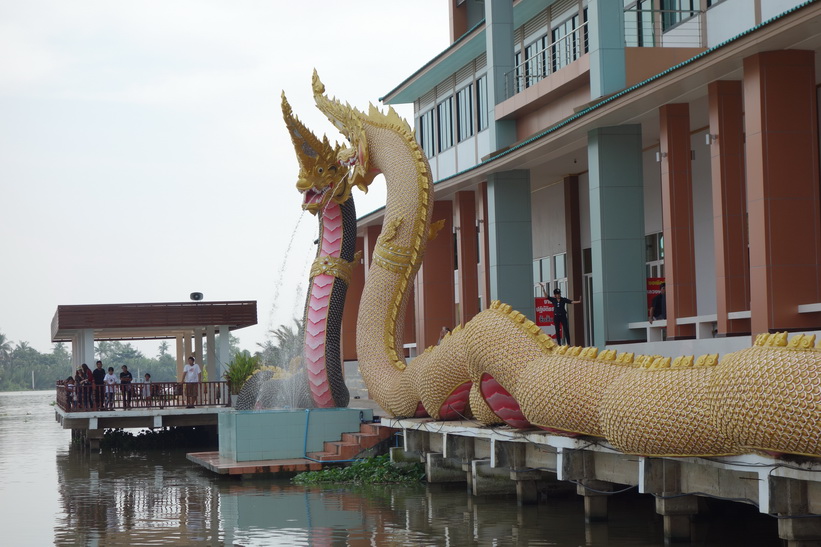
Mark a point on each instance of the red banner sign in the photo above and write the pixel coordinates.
(544, 315)
(653, 284)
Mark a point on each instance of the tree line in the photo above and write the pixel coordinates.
(24, 368)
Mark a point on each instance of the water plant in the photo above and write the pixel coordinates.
(240, 369)
(376, 470)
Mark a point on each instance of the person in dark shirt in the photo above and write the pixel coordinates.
(560, 314)
(658, 308)
(125, 385)
(98, 375)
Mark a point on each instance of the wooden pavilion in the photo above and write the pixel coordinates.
(189, 323)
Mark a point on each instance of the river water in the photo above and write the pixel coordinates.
(51, 493)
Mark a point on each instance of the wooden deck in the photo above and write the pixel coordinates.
(222, 466)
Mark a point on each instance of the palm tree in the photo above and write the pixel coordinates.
(5, 347)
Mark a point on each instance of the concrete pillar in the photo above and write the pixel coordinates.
(181, 354)
(434, 282)
(781, 127)
(595, 499)
(188, 350)
(524, 478)
(352, 297)
(617, 239)
(606, 39)
(224, 348)
(790, 497)
(677, 512)
(467, 251)
(488, 480)
(87, 344)
(211, 355)
(438, 468)
(484, 246)
(510, 239)
(499, 43)
(677, 218)
(572, 227)
(726, 136)
(198, 348)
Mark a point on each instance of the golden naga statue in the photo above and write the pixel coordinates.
(501, 368)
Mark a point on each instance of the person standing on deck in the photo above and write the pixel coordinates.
(191, 376)
(125, 381)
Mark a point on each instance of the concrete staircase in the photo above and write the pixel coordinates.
(352, 444)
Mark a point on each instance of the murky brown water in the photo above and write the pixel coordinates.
(51, 494)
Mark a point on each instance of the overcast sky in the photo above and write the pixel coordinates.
(143, 154)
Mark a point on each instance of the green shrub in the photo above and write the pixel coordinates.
(377, 470)
(240, 369)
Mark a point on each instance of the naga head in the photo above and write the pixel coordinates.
(321, 177)
(348, 121)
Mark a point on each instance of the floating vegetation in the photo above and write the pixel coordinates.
(376, 470)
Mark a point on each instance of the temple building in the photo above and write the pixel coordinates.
(603, 148)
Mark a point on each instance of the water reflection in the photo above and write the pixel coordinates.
(52, 494)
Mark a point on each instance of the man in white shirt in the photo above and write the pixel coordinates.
(191, 376)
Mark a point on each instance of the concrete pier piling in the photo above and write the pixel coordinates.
(531, 464)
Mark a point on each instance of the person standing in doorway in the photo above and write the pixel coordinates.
(125, 384)
(560, 314)
(191, 376)
(658, 308)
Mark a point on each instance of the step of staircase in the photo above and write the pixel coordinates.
(352, 444)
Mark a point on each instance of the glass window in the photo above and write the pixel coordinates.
(567, 43)
(518, 77)
(561, 265)
(535, 61)
(674, 12)
(444, 115)
(464, 113)
(481, 103)
(425, 133)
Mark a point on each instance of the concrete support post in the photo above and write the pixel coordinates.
(198, 348)
(677, 512)
(434, 296)
(211, 354)
(438, 468)
(595, 499)
(781, 128)
(790, 499)
(87, 336)
(677, 218)
(726, 138)
(510, 237)
(181, 354)
(617, 240)
(488, 480)
(607, 62)
(224, 356)
(188, 349)
(500, 59)
(525, 479)
(467, 253)
(417, 444)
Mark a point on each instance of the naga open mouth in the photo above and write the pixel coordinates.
(313, 200)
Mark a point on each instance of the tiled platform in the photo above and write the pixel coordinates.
(222, 466)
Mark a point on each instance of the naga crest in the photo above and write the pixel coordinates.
(321, 176)
(349, 122)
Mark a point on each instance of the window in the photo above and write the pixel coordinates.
(426, 135)
(638, 22)
(481, 103)
(654, 250)
(674, 12)
(444, 117)
(464, 113)
(518, 77)
(555, 277)
(535, 62)
(567, 42)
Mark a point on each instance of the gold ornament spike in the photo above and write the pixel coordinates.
(761, 339)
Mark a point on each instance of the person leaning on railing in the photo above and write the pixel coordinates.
(191, 377)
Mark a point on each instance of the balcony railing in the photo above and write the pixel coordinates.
(663, 28)
(142, 396)
(547, 60)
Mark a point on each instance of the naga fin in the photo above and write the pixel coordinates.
(434, 229)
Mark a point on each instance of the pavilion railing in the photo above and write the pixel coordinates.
(155, 395)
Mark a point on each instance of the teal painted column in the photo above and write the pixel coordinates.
(617, 232)
(606, 38)
(500, 59)
(510, 240)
